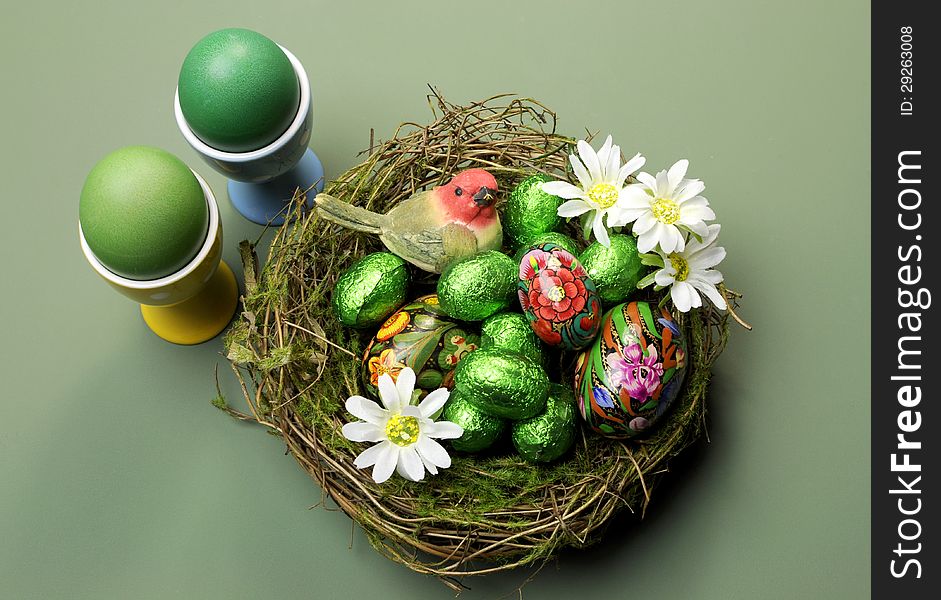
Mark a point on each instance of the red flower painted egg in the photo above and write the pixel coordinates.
(558, 297)
(633, 372)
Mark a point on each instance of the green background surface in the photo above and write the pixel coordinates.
(119, 480)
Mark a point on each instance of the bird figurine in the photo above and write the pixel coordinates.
(430, 229)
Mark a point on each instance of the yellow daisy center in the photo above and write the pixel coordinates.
(680, 266)
(604, 195)
(402, 430)
(665, 210)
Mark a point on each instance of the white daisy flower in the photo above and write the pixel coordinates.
(601, 177)
(690, 272)
(404, 433)
(663, 208)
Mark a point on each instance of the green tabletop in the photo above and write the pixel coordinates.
(118, 479)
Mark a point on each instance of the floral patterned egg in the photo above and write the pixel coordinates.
(419, 335)
(558, 297)
(633, 372)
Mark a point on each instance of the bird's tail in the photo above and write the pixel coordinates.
(351, 217)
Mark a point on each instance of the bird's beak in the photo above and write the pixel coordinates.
(484, 197)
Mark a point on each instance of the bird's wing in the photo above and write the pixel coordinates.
(434, 249)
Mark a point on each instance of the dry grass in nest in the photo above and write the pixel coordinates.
(297, 365)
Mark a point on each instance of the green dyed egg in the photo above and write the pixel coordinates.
(238, 90)
(480, 429)
(370, 290)
(615, 270)
(479, 286)
(559, 239)
(510, 331)
(529, 211)
(502, 383)
(143, 213)
(550, 434)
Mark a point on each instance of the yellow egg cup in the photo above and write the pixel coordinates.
(192, 305)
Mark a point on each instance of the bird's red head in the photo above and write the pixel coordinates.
(470, 195)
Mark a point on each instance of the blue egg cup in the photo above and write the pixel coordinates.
(270, 203)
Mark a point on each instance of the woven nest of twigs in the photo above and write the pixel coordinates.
(297, 366)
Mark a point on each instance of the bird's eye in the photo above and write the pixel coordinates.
(458, 191)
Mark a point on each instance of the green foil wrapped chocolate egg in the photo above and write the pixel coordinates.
(370, 290)
(615, 270)
(559, 239)
(477, 287)
(480, 429)
(550, 434)
(529, 211)
(510, 331)
(502, 383)
(421, 337)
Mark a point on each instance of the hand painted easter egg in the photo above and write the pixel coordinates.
(480, 429)
(551, 237)
(370, 290)
(477, 287)
(615, 269)
(419, 336)
(502, 383)
(558, 297)
(529, 211)
(550, 434)
(633, 372)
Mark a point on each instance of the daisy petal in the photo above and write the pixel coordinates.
(682, 294)
(604, 155)
(634, 196)
(573, 208)
(367, 410)
(433, 452)
(611, 168)
(386, 461)
(648, 180)
(629, 168)
(600, 231)
(429, 466)
(696, 212)
(562, 189)
(433, 402)
(363, 432)
(590, 158)
(711, 276)
(646, 241)
(692, 187)
(706, 258)
(676, 174)
(405, 384)
(644, 222)
(410, 465)
(580, 172)
(444, 430)
(664, 279)
(369, 456)
(711, 292)
(663, 185)
(389, 393)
